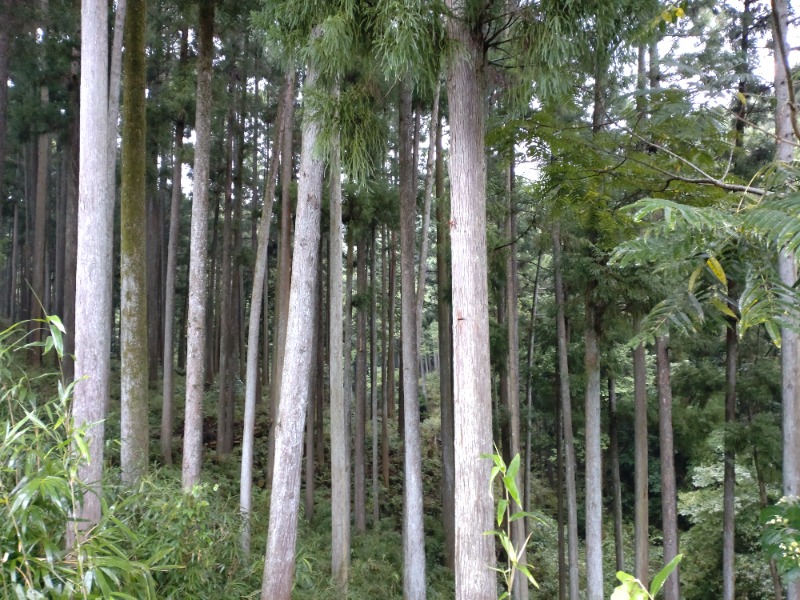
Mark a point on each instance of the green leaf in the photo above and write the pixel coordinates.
(774, 333)
(502, 505)
(717, 269)
(511, 486)
(661, 576)
(513, 468)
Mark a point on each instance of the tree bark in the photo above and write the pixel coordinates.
(359, 462)
(373, 369)
(340, 443)
(641, 475)
(613, 443)
(729, 482)
(787, 266)
(594, 466)
(566, 418)
(135, 442)
(413, 512)
(168, 392)
(474, 551)
(198, 274)
(93, 277)
(669, 497)
(295, 384)
(445, 315)
(256, 302)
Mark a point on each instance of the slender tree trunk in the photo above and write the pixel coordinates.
(93, 277)
(295, 384)
(526, 501)
(426, 218)
(474, 551)
(7, 7)
(413, 511)
(135, 442)
(314, 397)
(729, 483)
(359, 463)
(256, 302)
(641, 475)
(283, 281)
(566, 417)
(167, 403)
(198, 274)
(340, 444)
(518, 536)
(389, 391)
(562, 562)
(787, 264)
(613, 442)
(224, 380)
(445, 315)
(669, 497)
(39, 241)
(594, 453)
(373, 370)
(71, 222)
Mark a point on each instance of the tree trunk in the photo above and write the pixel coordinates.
(283, 281)
(198, 275)
(594, 453)
(314, 398)
(284, 500)
(135, 438)
(641, 475)
(340, 444)
(389, 390)
(225, 378)
(359, 466)
(413, 511)
(526, 501)
(445, 316)
(729, 482)
(613, 442)
(669, 497)
(520, 585)
(787, 265)
(474, 511)
(256, 302)
(562, 562)
(566, 417)
(373, 370)
(39, 240)
(71, 222)
(5, 41)
(167, 402)
(93, 277)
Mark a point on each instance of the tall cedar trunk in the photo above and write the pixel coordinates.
(283, 281)
(474, 551)
(198, 274)
(669, 498)
(640, 457)
(71, 222)
(60, 218)
(413, 512)
(151, 239)
(340, 443)
(373, 370)
(787, 267)
(226, 290)
(613, 450)
(445, 316)
(256, 302)
(562, 563)
(135, 439)
(389, 390)
(314, 397)
(426, 217)
(566, 418)
(729, 482)
(520, 586)
(295, 380)
(359, 466)
(5, 41)
(594, 453)
(38, 297)
(168, 390)
(529, 393)
(93, 276)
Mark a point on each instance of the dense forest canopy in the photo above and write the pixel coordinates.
(468, 299)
